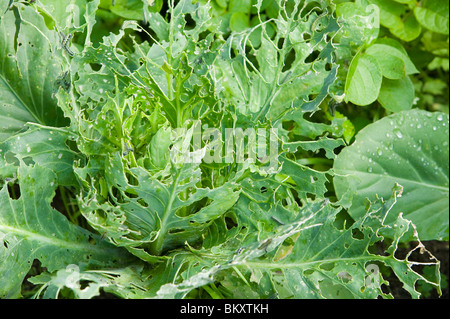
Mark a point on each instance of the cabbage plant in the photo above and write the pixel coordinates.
(207, 149)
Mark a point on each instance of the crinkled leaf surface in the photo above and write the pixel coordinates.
(409, 148)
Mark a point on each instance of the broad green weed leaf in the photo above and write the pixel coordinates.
(392, 67)
(394, 15)
(409, 148)
(397, 95)
(240, 5)
(409, 30)
(397, 49)
(29, 68)
(31, 229)
(364, 80)
(239, 21)
(132, 10)
(393, 62)
(390, 12)
(434, 15)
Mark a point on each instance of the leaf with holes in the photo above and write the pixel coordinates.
(31, 229)
(30, 65)
(409, 148)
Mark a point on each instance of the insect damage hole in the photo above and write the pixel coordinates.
(190, 23)
(289, 60)
(14, 191)
(312, 57)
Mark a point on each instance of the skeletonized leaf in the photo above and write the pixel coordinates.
(291, 264)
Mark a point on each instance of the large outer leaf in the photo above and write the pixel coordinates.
(29, 68)
(31, 229)
(410, 148)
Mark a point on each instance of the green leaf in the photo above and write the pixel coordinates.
(285, 76)
(240, 6)
(168, 213)
(392, 66)
(325, 143)
(73, 16)
(222, 3)
(409, 30)
(409, 148)
(392, 61)
(31, 229)
(159, 147)
(364, 80)
(286, 264)
(239, 21)
(395, 16)
(390, 13)
(397, 95)
(434, 15)
(307, 180)
(398, 50)
(29, 68)
(44, 146)
(4, 6)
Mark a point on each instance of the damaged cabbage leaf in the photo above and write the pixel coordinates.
(268, 78)
(285, 264)
(46, 146)
(149, 106)
(409, 148)
(288, 265)
(31, 229)
(157, 214)
(30, 65)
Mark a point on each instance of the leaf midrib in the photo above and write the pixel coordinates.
(398, 179)
(51, 241)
